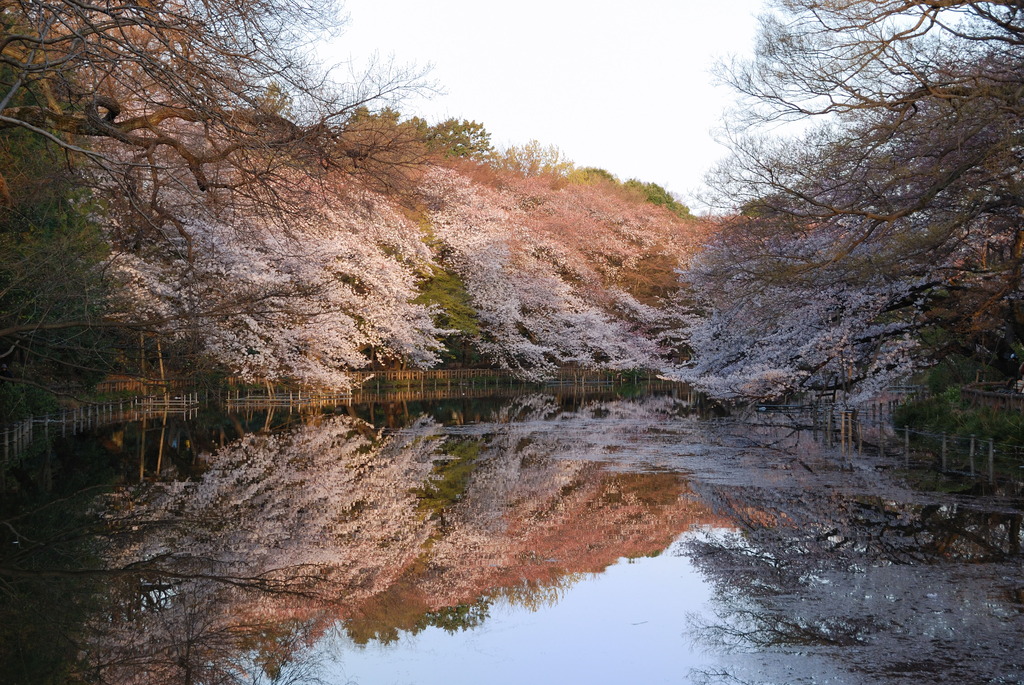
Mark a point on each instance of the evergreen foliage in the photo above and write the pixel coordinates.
(656, 195)
(53, 287)
(446, 292)
(457, 138)
(450, 477)
(949, 413)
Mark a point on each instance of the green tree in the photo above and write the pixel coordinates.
(53, 288)
(655, 194)
(458, 138)
(455, 313)
(590, 174)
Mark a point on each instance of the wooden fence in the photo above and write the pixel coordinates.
(417, 375)
(492, 376)
(869, 430)
(141, 386)
(377, 386)
(429, 378)
(238, 399)
(440, 387)
(994, 395)
(16, 438)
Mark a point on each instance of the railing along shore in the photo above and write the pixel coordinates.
(164, 397)
(869, 430)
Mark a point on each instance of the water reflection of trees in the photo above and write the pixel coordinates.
(186, 632)
(895, 588)
(266, 543)
(230, 575)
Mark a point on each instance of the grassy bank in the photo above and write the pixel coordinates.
(948, 413)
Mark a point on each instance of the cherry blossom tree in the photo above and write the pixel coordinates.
(759, 331)
(146, 111)
(893, 224)
(544, 295)
(554, 274)
(300, 301)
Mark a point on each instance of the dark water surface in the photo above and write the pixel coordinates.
(536, 538)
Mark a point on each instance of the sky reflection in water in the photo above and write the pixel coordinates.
(624, 625)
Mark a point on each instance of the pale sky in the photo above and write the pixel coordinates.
(622, 86)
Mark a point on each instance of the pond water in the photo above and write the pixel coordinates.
(537, 538)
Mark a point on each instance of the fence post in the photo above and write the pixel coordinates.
(828, 427)
(906, 445)
(842, 434)
(972, 454)
(991, 461)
